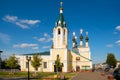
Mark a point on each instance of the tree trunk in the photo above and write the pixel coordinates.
(57, 70)
(36, 71)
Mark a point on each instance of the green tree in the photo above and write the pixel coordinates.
(36, 62)
(3, 64)
(12, 62)
(58, 64)
(111, 60)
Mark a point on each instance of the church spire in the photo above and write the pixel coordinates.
(87, 39)
(61, 21)
(81, 37)
(74, 40)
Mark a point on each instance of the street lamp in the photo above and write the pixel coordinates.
(28, 59)
(0, 58)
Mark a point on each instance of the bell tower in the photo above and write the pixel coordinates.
(60, 31)
(60, 43)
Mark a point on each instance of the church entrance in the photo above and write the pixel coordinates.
(59, 69)
(77, 68)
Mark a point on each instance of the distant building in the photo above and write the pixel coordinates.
(79, 58)
(104, 65)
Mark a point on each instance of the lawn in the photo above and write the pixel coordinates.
(39, 76)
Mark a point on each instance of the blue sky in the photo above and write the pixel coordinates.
(26, 25)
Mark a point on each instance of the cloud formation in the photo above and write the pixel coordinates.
(26, 45)
(35, 48)
(23, 23)
(41, 39)
(46, 47)
(4, 38)
(118, 42)
(30, 22)
(46, 38)
(118, 28)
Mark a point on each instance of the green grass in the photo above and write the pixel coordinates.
(39, 75)
(3, 74)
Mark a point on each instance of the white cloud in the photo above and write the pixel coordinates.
(46, 38)
(9, 18)
(118, 28)
(109, 45)
(23, 23)
(46, 47)
(4, 38)
(118, 42)
(25, 45)
(45, 34)
(31, 22)
(35, 48)
(41, 39)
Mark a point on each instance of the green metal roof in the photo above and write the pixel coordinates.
(81, 37)
(40, 53)
(87, 39)
(61, 21)
(61, 18)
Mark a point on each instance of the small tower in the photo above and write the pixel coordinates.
(60, 32)
(87, 39)
(81, 37)
(74, 40)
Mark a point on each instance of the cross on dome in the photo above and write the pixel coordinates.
(81, 30)
(75, 37)
(61, 3)
(87, 33)
(73, 33)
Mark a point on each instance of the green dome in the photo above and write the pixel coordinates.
(81, 37)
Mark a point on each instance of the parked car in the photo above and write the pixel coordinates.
(116, 73)
(107, 68)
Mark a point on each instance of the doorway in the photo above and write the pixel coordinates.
(77, 68)
(59, 69)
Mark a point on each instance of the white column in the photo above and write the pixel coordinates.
(81, 43)
(86, 44)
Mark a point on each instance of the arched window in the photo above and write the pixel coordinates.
(59, 31)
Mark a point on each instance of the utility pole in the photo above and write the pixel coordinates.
(28, 59)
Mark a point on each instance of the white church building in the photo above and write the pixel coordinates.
(76, 59)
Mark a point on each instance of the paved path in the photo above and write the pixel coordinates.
(89, 76)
